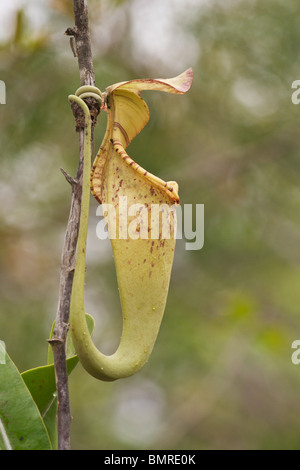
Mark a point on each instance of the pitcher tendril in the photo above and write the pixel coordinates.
(143, 266)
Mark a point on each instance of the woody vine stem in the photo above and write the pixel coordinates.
(82, 46)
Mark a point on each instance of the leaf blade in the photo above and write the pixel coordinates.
(22, 427)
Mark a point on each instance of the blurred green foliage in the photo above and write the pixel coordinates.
(220, 376)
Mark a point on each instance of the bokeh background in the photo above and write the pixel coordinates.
(220, 375)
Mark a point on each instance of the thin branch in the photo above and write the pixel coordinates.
(84, 54)
(68, 177)
(83, 42)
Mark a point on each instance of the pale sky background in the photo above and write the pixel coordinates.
(159, 37)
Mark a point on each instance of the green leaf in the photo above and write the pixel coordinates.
(21, 425)
(50, 423)
(41, 383)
